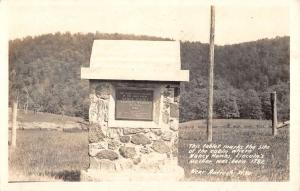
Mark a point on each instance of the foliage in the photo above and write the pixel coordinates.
(250, 105)
(44, 75)
(266, 105)
(283, 99)
(225, 105)
(261, 66)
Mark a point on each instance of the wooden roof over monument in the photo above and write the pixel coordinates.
(135, 60)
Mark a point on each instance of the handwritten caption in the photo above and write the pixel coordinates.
(225, 154)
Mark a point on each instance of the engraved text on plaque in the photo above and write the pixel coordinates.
(134, 105)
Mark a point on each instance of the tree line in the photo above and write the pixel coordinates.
(245, 74)
(44, 75)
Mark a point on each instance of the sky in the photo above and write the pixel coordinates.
(179, 20)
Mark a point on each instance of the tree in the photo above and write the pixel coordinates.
(44, 71)
(283, 99)
(266, 105)
(225, 105)
(250, 106)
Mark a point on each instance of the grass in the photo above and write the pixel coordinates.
(57, 155)
(47, 121)
(54, 154)
(277, 157)
(248, 123)
(30, 116)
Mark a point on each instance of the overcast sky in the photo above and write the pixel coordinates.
(180, 20)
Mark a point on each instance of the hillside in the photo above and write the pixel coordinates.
(44, 73)
(47, 121)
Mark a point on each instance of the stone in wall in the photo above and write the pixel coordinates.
(107, 165)
(140, 139)
(113, 133)
(107, 154)
(174, 152)
(124, 139)
(166, 135)
(102, 110)
(127, 148)
(98, 112)
(94, 163)
(156, 110)
(95, 148)
(176, 94)
(174, 124)
(152, 136)
(157, 132)
(165, 91)
(123, 164)
(99, 103)
(95, 133)
(136, 160)
(127, 152)
(153, 161)
(128, 131)
(93, 110)
(165, 117)
(145, 150)
(168, 98)
(103, 164)
(113, 144)
(174, 149)
(166, 102)
(102, 90)
(160, 147)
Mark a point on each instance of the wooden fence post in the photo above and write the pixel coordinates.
(14, 124)
(274, 113)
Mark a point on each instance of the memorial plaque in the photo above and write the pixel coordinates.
(134, 105)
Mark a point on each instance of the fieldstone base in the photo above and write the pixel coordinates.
(162, 171)
(139, 152)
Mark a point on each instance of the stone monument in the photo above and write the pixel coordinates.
(134, 110)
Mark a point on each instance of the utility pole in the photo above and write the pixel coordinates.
(211, 74)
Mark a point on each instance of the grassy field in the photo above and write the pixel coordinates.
(48, 155)
(44, 155)
(30, 116)
(246, 123)
(276, 167)
(47, 121)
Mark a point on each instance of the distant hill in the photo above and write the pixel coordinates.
(44, 72)
(245, 74)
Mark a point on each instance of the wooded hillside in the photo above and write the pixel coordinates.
(44, 73)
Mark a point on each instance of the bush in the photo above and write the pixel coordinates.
(250, 106)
